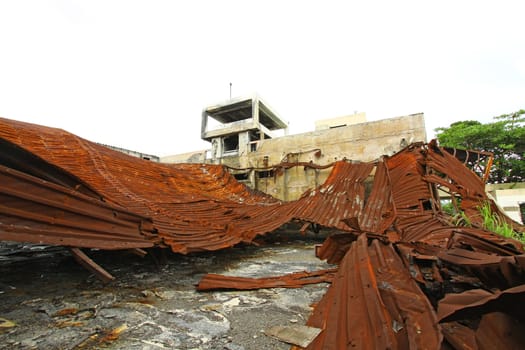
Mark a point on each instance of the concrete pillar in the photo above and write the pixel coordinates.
(244, 143)
(285, 184)
(204, 123)
(255, 114)
(216, 149)
(253, 179)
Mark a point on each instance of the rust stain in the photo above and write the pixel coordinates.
(113, 334)
(66, 311)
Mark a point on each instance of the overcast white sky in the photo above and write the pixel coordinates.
(137, 74)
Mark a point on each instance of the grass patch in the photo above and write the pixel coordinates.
(492, 222)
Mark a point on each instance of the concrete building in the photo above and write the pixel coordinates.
(248, 137)
(240, 125)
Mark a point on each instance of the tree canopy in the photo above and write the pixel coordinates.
(505, 138)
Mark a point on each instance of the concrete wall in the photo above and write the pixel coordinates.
(508, 197)
(190, 157)
(362, 142)
(352, 119)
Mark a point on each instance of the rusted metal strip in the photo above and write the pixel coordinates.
(90, 265)
(294, 280)
(139, 252)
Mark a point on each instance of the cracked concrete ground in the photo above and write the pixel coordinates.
(52, 303)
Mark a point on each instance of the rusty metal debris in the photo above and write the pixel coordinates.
(90, 265)
(408, 277)
(213, 281)
(374, 303)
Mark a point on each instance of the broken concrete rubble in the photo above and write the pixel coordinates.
(402, 261)
(296, 335)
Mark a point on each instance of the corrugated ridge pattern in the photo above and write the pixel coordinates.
(366, 308)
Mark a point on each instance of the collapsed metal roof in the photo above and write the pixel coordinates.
(407, 278)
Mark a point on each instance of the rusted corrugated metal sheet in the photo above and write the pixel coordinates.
(37, 211)
(374, 303)
(192, 207)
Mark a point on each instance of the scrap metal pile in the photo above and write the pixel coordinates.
(407, 277)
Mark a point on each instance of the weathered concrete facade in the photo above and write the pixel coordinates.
(189, 157)
(359, 142)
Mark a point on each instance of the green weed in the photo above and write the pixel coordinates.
(492, 222)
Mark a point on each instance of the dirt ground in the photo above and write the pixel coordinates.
(50, 302)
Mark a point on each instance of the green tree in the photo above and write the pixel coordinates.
(505, 138)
